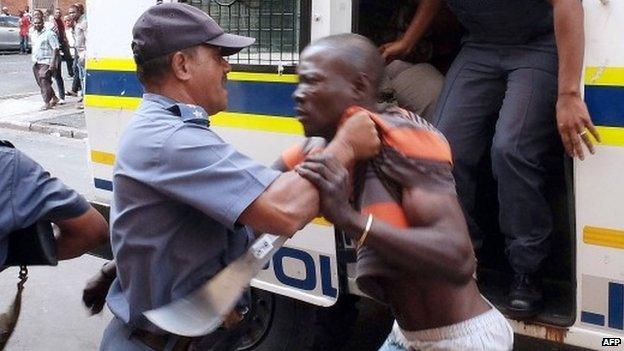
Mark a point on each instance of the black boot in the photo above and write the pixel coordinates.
(525, 296)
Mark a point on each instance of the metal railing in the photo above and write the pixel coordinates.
(276, 25)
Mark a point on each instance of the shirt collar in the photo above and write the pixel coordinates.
(187, 112)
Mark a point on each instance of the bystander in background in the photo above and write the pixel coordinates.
(24, 24)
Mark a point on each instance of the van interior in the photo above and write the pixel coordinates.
(385, 21)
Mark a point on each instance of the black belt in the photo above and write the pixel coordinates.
(158, 342)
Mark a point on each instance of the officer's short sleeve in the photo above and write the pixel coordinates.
(198, 168)
(37, 196)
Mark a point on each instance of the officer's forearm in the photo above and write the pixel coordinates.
(291, 201)
(570, 36)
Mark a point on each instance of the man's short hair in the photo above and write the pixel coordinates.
(151, 71)
(357, 53)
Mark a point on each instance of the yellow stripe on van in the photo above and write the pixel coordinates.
(263, 77)
(101, 157)
(321, 221)
(611, 136)
(111, 64)
(603, 237)
(610, 76)
(266, 123)
(284, 125)
(114, 102)
(128, 65)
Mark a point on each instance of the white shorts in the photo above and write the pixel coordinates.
(488, 331)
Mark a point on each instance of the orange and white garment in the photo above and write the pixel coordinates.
(413, 154)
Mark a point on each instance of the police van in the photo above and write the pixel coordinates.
(306, 297)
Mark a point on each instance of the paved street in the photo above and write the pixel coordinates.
(20, 100)
(17, 76)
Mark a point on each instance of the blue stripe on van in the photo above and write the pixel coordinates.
(616, 306)
(606, 105)
(592, 318)
(264, 98)
(103, 184)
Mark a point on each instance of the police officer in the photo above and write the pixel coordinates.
(183, 199)
(517, 77)
(29, 194)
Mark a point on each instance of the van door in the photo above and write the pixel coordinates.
(599, 180)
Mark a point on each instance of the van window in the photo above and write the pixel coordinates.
(276, 25)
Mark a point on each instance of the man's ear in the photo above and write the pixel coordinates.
(362, 86)
(181, 66)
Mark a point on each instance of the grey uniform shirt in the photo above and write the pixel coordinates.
(28, 194)
(178, 190)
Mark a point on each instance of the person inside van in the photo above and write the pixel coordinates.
(517, 77)
(425, 63)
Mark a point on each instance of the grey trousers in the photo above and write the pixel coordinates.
(508, 91)
(43, 77)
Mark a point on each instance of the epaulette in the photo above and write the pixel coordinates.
(190, 114)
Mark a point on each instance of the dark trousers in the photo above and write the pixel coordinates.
(43, 76)
(508, 92)
(76, 86)
(58, 77)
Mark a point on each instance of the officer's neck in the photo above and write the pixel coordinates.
(173, 91)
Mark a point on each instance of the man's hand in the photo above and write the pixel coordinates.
(332, 181)
(394, 49)
(359, 134)
(574, 124)
(94, 293)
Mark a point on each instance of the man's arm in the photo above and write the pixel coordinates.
(436, 243)
(425, 13)
(54, 43)
(290, 202)
(572, 116)
(81, 234)
(38, 196)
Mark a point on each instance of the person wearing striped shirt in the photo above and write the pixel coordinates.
(399, 207)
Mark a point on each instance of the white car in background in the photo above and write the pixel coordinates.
(10, 33)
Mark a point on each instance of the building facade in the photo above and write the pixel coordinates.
(15, 6)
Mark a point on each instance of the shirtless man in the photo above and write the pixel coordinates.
(414, 251)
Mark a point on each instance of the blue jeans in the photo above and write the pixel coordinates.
(82, 73)
(58, 77)
(23, 44)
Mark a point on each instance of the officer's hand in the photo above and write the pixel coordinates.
(360, 134)
(574, 125)
(94, 293)
(331, 179)
(393, 50)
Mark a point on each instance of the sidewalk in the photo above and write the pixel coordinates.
(23, 113)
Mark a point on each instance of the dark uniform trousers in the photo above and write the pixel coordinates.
(513, 89)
